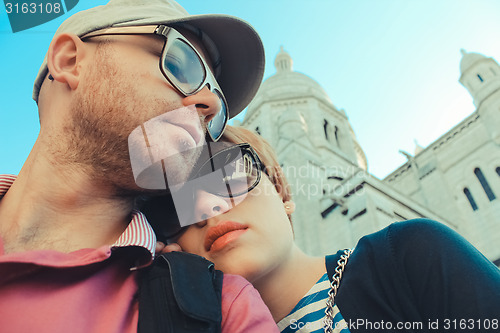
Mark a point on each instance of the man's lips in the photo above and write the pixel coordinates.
(218, 231)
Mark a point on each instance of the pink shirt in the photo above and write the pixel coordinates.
(94, 290)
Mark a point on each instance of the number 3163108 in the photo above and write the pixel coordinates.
(33, 8)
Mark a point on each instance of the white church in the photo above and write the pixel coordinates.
(455, 180)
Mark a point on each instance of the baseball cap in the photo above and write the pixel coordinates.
(233, 44)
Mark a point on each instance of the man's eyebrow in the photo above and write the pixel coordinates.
(154, 44)
(154, 50)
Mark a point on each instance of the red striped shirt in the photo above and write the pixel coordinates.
(94, 290)
(138, 233)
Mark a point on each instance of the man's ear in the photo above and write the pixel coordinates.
(64, 57)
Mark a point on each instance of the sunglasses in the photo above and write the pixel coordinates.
(229, 173)
(182, 66)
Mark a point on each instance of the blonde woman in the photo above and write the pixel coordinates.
(413, 276)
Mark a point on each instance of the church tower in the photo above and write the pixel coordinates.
(337, 200)
(479, 75)
(291, 108)
(454, 180)
(315, 144)
(458, 175)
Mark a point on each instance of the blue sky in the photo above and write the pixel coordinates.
(392, 65)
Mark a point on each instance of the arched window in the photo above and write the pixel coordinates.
(257, 130)
(498, 171)
(480, 78)
(484, 184)
(470, 198)
(337, 135)
(325, 128)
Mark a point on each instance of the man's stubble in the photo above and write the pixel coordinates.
(104, 112)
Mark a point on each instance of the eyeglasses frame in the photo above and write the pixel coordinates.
(172, 234)
(245, 148)
(165, 31)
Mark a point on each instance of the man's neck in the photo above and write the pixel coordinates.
(62, 209)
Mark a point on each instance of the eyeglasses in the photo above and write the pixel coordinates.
(229, 173)
(182, 66)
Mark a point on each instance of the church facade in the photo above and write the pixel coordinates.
(455, 180)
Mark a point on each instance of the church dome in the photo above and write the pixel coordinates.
(286, 84)
(469, 59)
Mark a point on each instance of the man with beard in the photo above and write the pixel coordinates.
(71, 241)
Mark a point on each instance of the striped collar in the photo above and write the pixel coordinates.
(309, 313)
(138, 232)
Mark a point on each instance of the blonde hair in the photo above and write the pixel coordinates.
(266, 154)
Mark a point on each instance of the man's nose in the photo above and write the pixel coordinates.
(209, 205)
(207, 103)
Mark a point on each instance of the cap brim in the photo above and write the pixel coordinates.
(239, 46)
(242, 57)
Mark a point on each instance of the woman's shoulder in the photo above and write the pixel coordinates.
(421, 228)
(413, 236)
(419, 246)
(418, 266)
(406, 248)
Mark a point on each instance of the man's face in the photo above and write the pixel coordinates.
(123, 89)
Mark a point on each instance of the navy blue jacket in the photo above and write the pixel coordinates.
(418, 276)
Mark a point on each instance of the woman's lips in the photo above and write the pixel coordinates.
(219, 236)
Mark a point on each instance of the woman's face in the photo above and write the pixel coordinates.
(249, 240)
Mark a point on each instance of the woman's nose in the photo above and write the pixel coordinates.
(209, 205)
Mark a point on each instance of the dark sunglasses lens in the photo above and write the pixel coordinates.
(161, 214)
(230, 173)
(217, 124)
(184, 65)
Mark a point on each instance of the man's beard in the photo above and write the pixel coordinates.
(104, 112)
